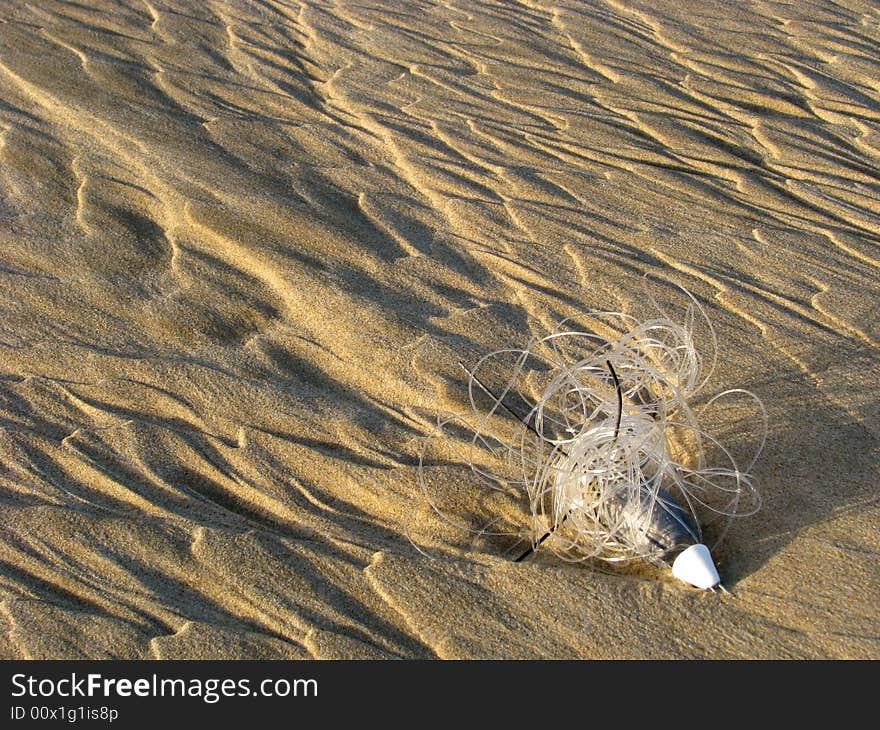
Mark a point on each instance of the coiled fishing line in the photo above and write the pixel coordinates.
(594, 427)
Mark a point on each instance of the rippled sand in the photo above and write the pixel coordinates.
(243, 246)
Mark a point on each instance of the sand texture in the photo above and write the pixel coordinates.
(243, 246)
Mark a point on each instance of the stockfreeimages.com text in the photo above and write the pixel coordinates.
(210, 690)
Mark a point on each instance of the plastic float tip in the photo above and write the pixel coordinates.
(696, 567)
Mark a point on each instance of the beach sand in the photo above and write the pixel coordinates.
(243, 246)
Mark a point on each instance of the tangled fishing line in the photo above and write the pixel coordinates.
(595, 426)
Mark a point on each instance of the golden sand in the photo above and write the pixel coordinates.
(243, 246)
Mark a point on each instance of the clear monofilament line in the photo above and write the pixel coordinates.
(616, 433)
(614, 465)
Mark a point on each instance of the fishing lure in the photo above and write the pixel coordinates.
(611, 454)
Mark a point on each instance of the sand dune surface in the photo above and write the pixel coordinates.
(244, 245)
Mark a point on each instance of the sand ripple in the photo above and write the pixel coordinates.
(244, 245)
